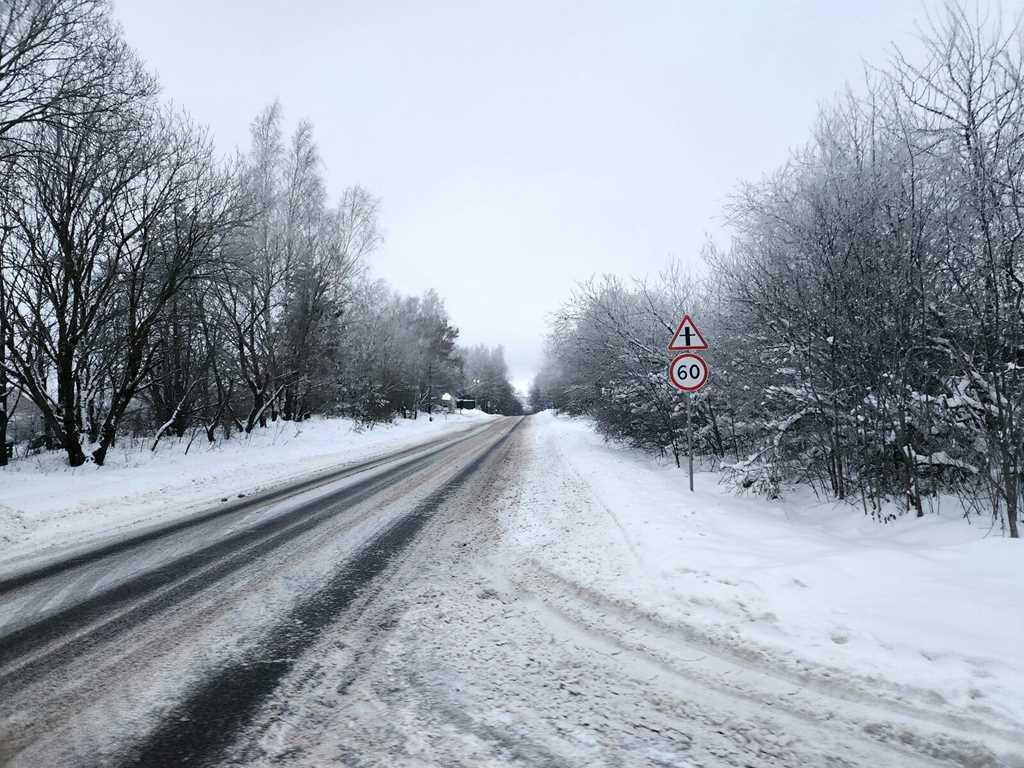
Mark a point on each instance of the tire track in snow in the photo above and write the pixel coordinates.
(204, 725)
(948, 739)
(76, 558)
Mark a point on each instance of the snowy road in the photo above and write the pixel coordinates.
(102, 659)
(395, 616)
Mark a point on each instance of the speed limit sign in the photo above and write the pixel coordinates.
(688, 372)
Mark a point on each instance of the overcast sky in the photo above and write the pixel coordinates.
(519, 147)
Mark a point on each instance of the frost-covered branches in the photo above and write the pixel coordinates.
(148, 285)
(867, 320)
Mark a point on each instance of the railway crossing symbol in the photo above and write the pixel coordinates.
(687, 337)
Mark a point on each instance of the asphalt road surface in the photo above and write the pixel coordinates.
(371, 616)
(158, 651)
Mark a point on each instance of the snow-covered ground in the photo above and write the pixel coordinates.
(573, 605)
(922, 615)
(568, 602)
(46, 506)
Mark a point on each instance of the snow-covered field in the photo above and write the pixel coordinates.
(922, 615)
(46, 506)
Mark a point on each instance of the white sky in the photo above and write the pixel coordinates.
(519, 147)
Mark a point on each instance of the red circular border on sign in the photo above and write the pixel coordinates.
(672, 368)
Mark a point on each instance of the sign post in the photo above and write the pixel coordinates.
(689, 438)
(688, 372)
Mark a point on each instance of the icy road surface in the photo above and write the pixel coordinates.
(429, 611)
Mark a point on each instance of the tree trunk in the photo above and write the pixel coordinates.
(718, 447)
(4, 416)
(93, 421)
(73, 447)
(1012, 502)
(257, 409)
(106, 440)
(71, 440)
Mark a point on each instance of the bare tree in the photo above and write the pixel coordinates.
(868, 317)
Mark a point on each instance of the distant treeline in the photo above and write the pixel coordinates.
(147, 283)
(867, 321)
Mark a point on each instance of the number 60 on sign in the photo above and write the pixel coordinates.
(688, 372)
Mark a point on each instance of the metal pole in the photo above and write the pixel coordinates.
(689, 439)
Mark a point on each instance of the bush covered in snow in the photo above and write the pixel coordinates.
(866, 322)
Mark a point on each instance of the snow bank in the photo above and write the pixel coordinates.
(927, 609)
(46, 505)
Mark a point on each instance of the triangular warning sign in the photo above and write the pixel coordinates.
(687, 336)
